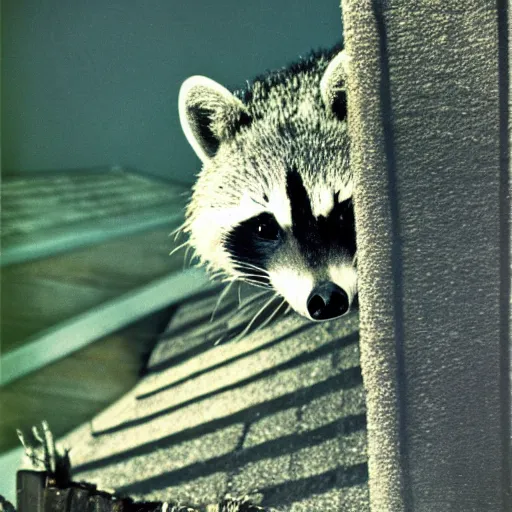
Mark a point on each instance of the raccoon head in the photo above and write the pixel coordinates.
(273, 203)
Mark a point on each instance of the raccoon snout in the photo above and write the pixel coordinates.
(326, 301)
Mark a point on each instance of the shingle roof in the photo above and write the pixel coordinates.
(278, 415)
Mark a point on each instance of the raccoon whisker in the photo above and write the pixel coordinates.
(250, 324)
(242, 263)
(227, 279)
(239, 293)
(244, 276)
(269, 319)
(238, 311)
(242, 270)
(245, 264)
(249, 273)
(254, 298)
(179, 247)
(216, 342)
(219, 274)
(221, 297)
(288, 309)
(257, 284)
(187, 251)
(194, 256)
(251, 299)
(177, 232)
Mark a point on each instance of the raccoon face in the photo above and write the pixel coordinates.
(273, 203)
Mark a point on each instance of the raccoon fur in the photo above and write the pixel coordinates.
(272, 205)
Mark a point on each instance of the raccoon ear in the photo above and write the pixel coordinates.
(209, 114)
(332, 85)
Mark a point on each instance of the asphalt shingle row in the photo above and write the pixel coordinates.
(278, 415)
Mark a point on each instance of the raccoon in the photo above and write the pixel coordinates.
(272, 205)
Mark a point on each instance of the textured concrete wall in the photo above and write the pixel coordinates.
(428, 119)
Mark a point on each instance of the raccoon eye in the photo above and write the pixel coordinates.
(267, 227)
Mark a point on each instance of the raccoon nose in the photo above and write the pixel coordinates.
(327, 300)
